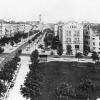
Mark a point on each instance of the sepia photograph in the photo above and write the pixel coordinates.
(49, 50)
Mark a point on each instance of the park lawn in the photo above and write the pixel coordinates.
(58, 72)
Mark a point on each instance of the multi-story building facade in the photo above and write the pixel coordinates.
(58, 29)
(23, 27)
(27, 28)
(10, 28)
(86, 37)
(72, 35)
(95, 38)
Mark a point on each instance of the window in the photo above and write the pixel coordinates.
(76, 47)
(68, 33)
(99, 43)
(76, 40)
(99, 48)
(93, 43)
(68, 40)
(77, 33)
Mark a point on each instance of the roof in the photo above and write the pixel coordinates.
(96, 29)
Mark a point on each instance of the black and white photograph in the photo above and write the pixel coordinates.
(49, 50)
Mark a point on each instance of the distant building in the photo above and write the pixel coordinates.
(58, 29)
(2, 29)
(10, 29)
(23, 27)
(48, 25)
(72, 35)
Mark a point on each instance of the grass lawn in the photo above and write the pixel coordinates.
(58, 72)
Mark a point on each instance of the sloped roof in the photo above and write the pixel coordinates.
(96, 28)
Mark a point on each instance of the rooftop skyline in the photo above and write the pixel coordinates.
(52, 10)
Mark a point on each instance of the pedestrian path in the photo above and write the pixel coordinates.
(15, 91)
(69, 60)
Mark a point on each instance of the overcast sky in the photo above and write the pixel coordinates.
(51, 10)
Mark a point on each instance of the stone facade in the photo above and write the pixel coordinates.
(73, 35)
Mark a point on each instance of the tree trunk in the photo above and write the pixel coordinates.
(78, 59)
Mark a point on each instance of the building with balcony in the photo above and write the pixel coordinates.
(72, 35)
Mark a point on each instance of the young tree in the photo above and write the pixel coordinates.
(12, 43)
(78, 55)
(69, 49)
(55, 42)
(34, 57)
(29, 42)
(19, 51)
(51, 53)
(3, 89)
(1, 50)
(60, 49)
(95, 56)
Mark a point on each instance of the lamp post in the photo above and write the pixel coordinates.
(35, 46)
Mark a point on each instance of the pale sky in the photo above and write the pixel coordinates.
(51, 10)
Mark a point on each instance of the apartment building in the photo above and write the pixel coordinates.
(58, 29)
(72, 35)
(23, 27)
(86, 37)
(10, 28)
(2, 29)
(95, 38)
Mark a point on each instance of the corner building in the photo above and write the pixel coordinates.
(72, 35)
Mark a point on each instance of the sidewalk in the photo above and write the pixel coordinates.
(83, 60)
(14, 93)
